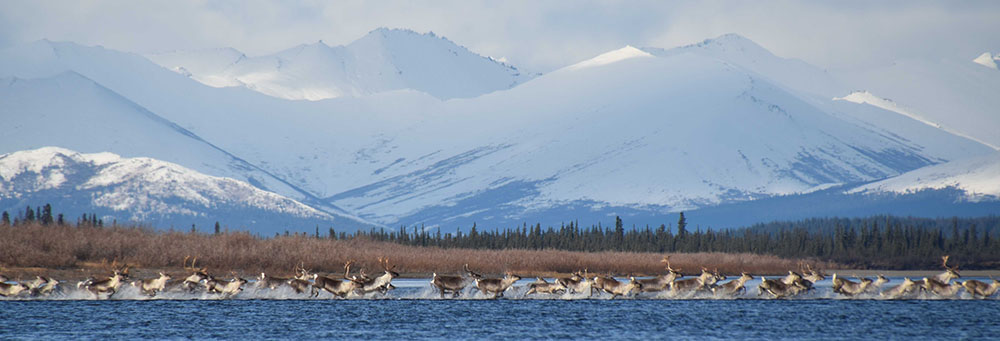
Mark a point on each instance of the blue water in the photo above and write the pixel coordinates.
(493, 319)
(414, 311)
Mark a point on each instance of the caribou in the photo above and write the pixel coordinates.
(455, 284)
(980, 289)
(225, 288)
(273, 282)
(42, 285)
(903, 290)
(703, 282)
(152, 286)
(616, 288)
(339, 287)
(794, 278)
(877, 284)
(847, 287)
(733, 287)
(940, 289)
(107, 285)
(193, 281)
(542, 286)
(301, 281)
(7, 290)
(579, 282)
(661, 282)
(811, 275)
(950, 273)
(496, 286)
(779, 288)
(382, 283)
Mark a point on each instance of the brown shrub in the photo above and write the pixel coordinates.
(66, 247)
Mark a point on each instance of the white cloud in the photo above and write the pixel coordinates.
(537, 35)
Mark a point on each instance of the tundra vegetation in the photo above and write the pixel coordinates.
(38, 238)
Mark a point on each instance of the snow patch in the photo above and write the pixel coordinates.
(979, 177)
(865, 97)
(383, 60)
(140, 187)
(625, 53)
(988, 60)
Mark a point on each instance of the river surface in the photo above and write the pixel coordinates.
(414, 310)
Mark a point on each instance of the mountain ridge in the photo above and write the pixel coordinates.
(708, 124)
(382, 60)
(149, 192)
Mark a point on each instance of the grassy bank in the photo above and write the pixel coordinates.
(67, 248)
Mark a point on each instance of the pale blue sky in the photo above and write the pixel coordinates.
(535, 35)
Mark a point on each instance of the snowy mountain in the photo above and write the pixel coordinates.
(148, 191)
(383, 60)
(792, 74)
(308, 144)
(978, 178)
(988, 60)
(667, 133)
(632, 132)
(958, 95)
(72, 111)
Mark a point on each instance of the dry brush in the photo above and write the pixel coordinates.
(67, 247)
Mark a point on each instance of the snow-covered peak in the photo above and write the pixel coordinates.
(978, 177)
(730, 43)
(625, 53)
(793, 74)
(17, 163)
(865, 97)
(147, 190)
(988, 60)
(388, 34)
(196, 63)
(384, 60)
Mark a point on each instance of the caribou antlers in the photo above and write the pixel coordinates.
(115, 269)
(384, 261)
(666, 260)
(347, 268)
(192, 268)
(300, 271)
(944, 263)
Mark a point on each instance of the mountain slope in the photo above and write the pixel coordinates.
(978, 177)
(148, 191)
(72, 111)
(957, 95)
(633, 131)
(383, 60)
(792, 74)
(674, 132)
(304, 143)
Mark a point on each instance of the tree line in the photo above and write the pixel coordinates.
(885, 242)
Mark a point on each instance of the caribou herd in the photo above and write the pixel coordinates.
(670, 284)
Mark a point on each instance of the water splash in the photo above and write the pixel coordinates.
(420, 289)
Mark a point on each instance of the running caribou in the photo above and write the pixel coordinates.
(107, 285)
(339, 287)
(661, 282)
(455, 284)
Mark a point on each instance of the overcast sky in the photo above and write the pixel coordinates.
(535, 35)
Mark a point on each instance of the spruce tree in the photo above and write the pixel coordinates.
(5, 219)
(681, 225)
(46, 214)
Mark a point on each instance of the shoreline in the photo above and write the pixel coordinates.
(78, 274)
